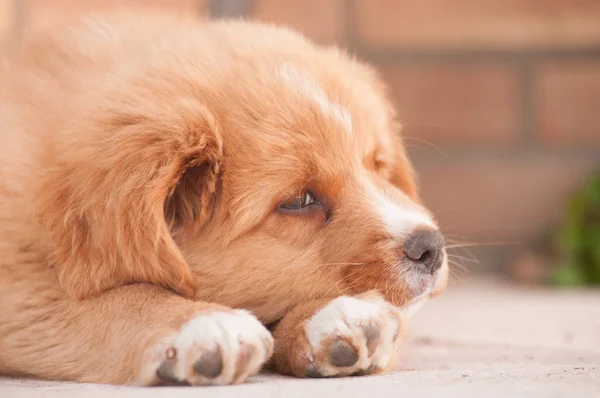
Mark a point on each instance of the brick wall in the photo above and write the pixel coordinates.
(500, 99)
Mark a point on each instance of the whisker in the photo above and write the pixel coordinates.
(422, 141)
(458, 272)
(406, 123)
(469, 259)
(348, 287)
(478, 244)
(331, 272)
(457, 266)
(354, 282)
(458, 278)
(326, 264)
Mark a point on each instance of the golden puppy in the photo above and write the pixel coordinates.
(168, 188)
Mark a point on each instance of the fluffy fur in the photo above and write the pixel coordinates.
(143, 162)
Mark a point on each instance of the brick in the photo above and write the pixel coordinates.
(320, 20)
(568, 103)
(47, 12)
(497, 199)
(478, 23)
(456, 104)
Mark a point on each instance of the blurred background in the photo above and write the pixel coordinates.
(500, 102)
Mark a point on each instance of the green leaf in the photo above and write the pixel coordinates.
(568, 276)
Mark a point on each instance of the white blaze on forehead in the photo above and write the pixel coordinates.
(398, 220)
(306, 87)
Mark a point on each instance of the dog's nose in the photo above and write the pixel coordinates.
(424, 248)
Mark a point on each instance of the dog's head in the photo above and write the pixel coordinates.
(258, 171)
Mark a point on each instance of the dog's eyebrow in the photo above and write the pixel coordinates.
(305, 86)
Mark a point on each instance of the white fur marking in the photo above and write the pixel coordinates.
(345, 316)
(228, 330)
(334, 318)
(415, 304)
(306, 87)
(398, 221)
(414, 281)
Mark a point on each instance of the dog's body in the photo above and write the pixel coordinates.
(156, 172)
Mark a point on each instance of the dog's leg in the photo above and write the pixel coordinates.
(339, 337)
(138, 334)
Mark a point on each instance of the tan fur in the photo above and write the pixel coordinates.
(142, 162)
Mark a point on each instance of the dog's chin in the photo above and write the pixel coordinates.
(422, 288)
(421, 283)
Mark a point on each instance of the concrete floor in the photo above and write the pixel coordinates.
(479, 339)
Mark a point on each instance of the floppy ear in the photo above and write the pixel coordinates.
(103, 205)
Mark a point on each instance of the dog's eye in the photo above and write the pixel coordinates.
(299, 201)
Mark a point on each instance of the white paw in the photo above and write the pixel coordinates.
(213, 348)
(352, 336)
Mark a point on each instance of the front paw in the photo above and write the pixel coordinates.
(350, 336)
(218, 347)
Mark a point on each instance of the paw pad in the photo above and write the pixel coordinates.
(372, 334)
(342, 354)
(218, 347)
(210, 364)
(350, 336)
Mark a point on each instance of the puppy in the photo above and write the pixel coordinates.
(182, 201)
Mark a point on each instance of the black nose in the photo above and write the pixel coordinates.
(424, 248)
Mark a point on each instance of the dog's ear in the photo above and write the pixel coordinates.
(104, 204)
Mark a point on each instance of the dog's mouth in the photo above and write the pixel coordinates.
(423, 287)
(422, 283)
